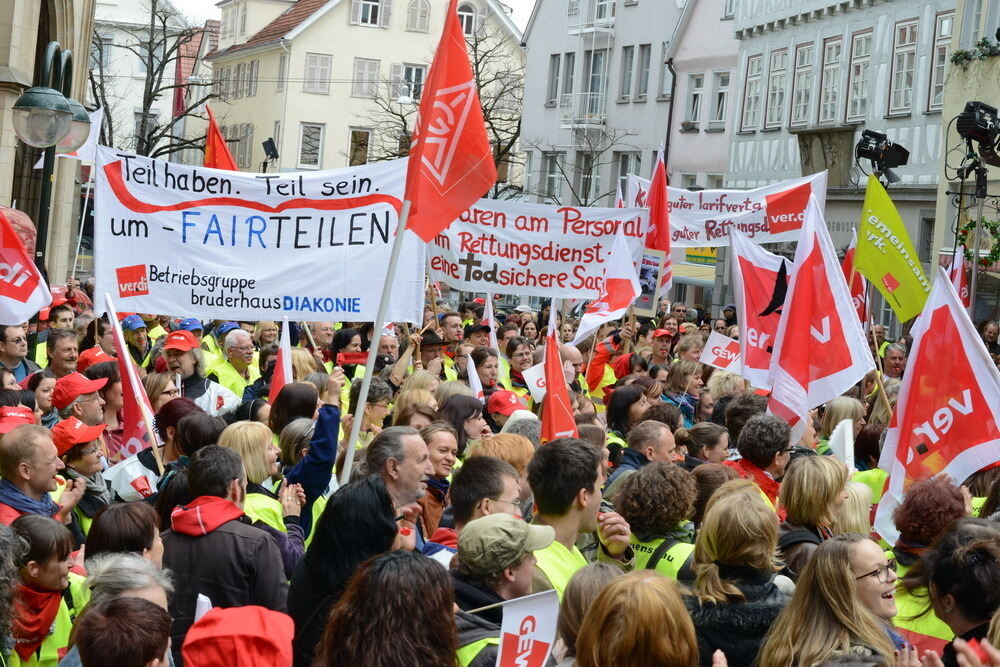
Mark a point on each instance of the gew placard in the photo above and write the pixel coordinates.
(190, 241)
(508, 247)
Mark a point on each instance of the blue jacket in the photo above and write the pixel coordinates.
(313, 472)
(631, 460)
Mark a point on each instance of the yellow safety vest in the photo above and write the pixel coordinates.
(466, 654)
(671, 562)
(233, 381)
(156, 333)
(927, 632)
(977, 505)
(317, 511)
(264, 508)
(874, 479)
(48, 654)
(598, 394)
(559, 564)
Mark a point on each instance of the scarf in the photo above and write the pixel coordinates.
(438, 487)
(34, 613)
(13, 496)
(97, 495)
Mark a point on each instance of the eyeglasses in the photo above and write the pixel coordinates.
(90, 450)
(22, 339)
(170, 392)
(880, 573)
(243, 348)
(88, 400)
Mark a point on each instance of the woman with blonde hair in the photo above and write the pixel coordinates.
(253, 442)
(842, 605)
(737, 593)
(639, 620)
(421, 379)
(854, 515)
(415, 415)
(584, 586)
(160, 388)
(303, 364)
(723, 383)
(265, 332)
(812, 492)
(451, 388)
(836, 411)
(880, 413)
(408, 398)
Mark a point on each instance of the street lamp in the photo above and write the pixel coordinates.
(46, 117)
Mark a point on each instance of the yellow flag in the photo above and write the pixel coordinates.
(886, 256)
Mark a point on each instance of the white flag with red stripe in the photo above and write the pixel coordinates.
(282, 374)
(528, 630)
(491, 321)
(858, 285)
(820, 350)
(475, 384)
(137, 413)
(658, 236)
(958, 273)
(947, 420)
(618, 291)
(760, 280)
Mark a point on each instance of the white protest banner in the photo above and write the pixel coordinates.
(722, 352)
(766, 215)
(207, 243)
(528, 630)
(508, 247)
(534, 377)
(842, 442)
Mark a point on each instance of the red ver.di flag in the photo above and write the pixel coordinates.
(528, 630)
(857, 284)
(946, 420)
(451, 164)
(820, 349)
(282, 374)
(557, 415)
(137, 413)
(760, 280)
(23, 291)
(618, 291)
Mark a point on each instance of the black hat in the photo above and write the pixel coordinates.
(430, 339)
(476, 328)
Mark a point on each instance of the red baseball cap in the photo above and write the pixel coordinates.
(72, 386)
(503, 401)
(249, 635)
(13, 416)
(71, 432)
(181, 340)
(89, 357)
(661, 332)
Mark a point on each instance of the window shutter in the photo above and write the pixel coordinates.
(252, 79)
(355, 12)
(386, 13)
(396, 80)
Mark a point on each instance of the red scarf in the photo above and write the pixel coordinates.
(34, 613)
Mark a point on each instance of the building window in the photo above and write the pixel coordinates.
(603, 9)
(370, 11)
(365, 82)
(628, 66)
(776, 76)
(243, 19)
(359, 147)
(594, 65)
(802, 84)
(282, 71)
(720, 99)
(310, 145)
(751, 94)
(590, 178)
(418, 16)
(242, 136)
(904, 55)
(467, 19)
(830, 87)
(569, 68)
(100, 52)
(696, 89)
(252, 68)
(689, 181)
(552, 185)
(152, 122)
(860, 73)
(944, 26)
(553, 89)
(728, 9)
(628, 163)
(972, 23)
(642, 79)
(666, 78)
(151, 52)
(413, 80)
(714, 181)
(277, 135)
(317, 79)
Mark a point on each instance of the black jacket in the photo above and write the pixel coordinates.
(738, 628)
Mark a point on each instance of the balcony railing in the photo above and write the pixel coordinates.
(583, 109)
(591, 16)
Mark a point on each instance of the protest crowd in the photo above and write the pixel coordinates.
(682, 526)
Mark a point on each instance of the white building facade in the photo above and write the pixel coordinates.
(812, 75)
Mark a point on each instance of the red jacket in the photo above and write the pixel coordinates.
(764, 481)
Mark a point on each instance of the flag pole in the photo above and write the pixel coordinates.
(878, 371)
(83, 217)
(383, 307)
